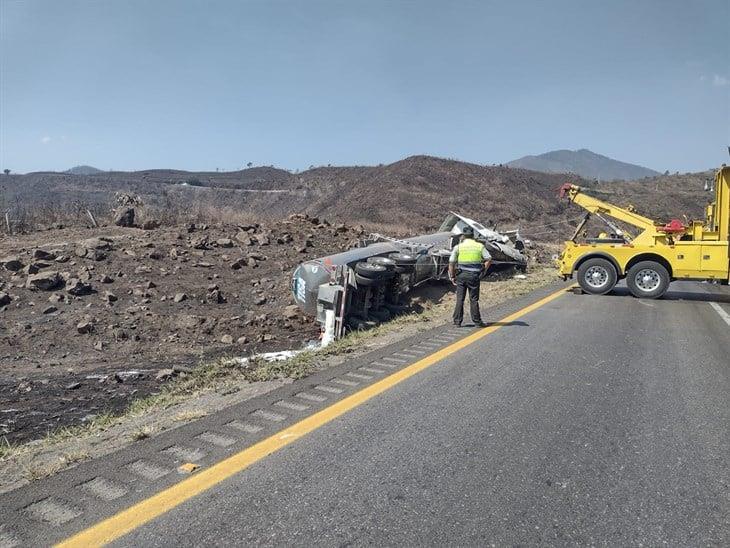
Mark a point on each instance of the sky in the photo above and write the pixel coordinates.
(200, 85)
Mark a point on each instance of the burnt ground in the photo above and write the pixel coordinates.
(130, 308)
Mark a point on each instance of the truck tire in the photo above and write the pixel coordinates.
(405, 263)
(648, 280)
(373, 271)
(362, 281)
(597, 276)
(382, 261)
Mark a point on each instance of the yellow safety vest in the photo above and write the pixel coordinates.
(470, 252)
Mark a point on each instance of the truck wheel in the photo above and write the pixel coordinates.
(403, 259)
(362, 281)
(405, 263)
(373, 271)
(597, 276)
(648, 280)
(382, 261)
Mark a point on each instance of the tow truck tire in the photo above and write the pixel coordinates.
(373, 271)
(648, 280)
(405, 262)
(597, 276)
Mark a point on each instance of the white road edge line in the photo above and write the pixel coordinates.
(724, 315)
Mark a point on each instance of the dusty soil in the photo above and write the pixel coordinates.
(117, 312)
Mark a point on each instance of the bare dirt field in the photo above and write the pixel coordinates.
(93, 318)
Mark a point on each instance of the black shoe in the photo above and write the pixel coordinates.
(480, 324)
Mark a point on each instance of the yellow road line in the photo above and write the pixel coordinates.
(146, 510)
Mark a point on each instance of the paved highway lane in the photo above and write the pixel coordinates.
(593, 420)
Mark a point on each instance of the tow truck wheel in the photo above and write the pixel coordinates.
(648, 280)
(597, 276)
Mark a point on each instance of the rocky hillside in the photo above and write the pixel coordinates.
(411, 195)
(584, 163)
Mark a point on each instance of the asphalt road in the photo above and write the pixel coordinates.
(599, 420)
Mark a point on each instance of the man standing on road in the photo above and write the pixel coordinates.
(467, 260)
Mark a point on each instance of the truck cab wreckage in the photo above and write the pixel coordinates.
(358, 288)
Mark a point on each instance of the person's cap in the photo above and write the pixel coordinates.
(467, 231)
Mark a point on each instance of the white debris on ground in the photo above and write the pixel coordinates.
(280, 356)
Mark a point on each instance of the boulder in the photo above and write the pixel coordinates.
(13, 264)
(43, 255)
(76, 287)
(84, 327)
(124, 217)
(44, 281)
(239, 263)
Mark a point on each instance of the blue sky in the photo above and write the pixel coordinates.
(200, 85)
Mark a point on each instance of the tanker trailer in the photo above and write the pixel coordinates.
(365, 285)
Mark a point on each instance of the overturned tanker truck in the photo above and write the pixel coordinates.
(365, 285)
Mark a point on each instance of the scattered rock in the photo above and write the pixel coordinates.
(12, 264)
(165, 374)
(99, 346)
(57, 298)
(224, 242)
(291, 312)
(215, 297)
(242, 340)
(106, 279)
(44, 281)
(151, 224)
(73, 386)
(258, 301)
(85, 327)
(110, 297)
(180, 297)
(44, 255)
(124, 217)
(263, 239)
(239, 263)
(50, 310)
(5, 299)
(199, 243)
(76, 287)
(126, 376)
(227, 339)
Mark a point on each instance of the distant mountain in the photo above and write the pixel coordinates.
(585, 163)
(83, 170)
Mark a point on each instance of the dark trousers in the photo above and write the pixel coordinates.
(467, 280)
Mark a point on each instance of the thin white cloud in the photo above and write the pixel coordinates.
(719, 81)
(45, 140)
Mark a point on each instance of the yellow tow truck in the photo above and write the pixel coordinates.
(657, 255)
